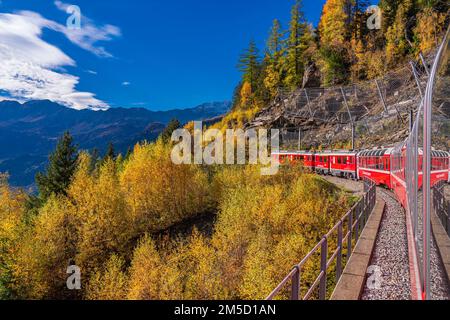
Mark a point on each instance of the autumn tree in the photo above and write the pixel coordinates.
(160, 193)
(430, 24)
(12, 227)
(397, 43)
(46, 249)
(109, 282)
(334, 34)
(152, 278)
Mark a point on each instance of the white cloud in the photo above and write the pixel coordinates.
(32, 68)
(89, 34)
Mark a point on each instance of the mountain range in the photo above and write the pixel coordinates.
(30, 131)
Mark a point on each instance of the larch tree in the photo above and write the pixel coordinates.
(334, 32)
(333, 25)
(389, 11)
(397, 45)
(430, 23)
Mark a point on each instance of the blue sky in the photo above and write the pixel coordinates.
(136, 53)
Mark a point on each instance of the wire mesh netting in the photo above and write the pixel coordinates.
(392, 97)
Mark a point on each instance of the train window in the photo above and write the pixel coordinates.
(344, 160)
(339, 160)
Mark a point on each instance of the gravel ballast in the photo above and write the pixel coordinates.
(391, 254)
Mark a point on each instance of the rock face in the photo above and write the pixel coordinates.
(379, 110)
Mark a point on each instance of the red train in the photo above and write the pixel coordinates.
(378, 165)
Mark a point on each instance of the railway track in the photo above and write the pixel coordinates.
(391, 254)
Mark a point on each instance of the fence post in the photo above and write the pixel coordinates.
(413, 68)
(350, 235)
(358, 220)
(448, 219)
(308, 104)
(381, 96)
(346, 105)
(425, 66)
(323, 269)
(295, 292)
(339, 255)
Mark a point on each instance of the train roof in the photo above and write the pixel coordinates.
(293, 152)
(375, 152)
(441, 154)
(337, 153)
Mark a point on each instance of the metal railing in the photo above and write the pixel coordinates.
(352, 224)
(411, 175)
(441, 205)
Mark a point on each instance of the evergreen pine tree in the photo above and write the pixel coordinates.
(249, 64)
(275, 51)
(294, 62)
(173, 125)
(63, 163)
(128, 155)
(110, 153)
(94, 159)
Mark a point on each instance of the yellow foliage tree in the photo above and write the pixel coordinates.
(429, 25)
(12, 227)
(160, 193)
(333, 25)
(111, 283)
(151, 277)
(44, 253)
(246, 95)
(104, 224)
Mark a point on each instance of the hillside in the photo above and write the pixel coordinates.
(321, 80)
(29, 131)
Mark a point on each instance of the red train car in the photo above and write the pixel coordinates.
(376, 166)
(305, 158)
(322, 163)
(343, 164)
(382, 166)
(439, 166)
